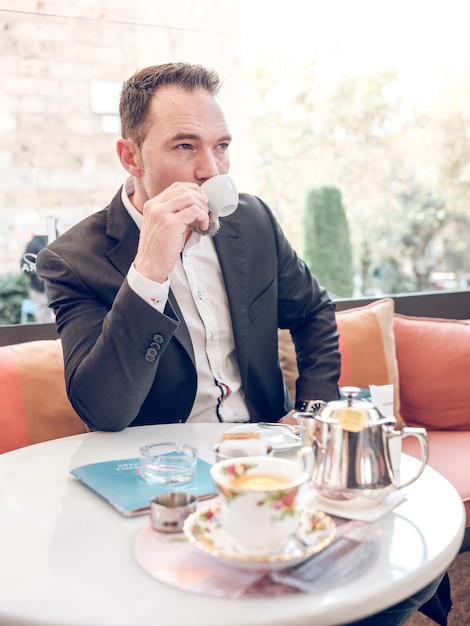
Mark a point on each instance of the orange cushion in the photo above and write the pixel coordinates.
(434, 358)
(448, 455)
(33, 402)
(288, 359)
(367, 346)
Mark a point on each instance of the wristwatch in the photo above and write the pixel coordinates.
(309, 406)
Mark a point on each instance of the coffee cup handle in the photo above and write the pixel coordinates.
(421, 435)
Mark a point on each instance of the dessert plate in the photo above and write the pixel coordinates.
(315, 532)
(278, 438)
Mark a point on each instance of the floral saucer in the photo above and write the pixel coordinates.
(315, 532)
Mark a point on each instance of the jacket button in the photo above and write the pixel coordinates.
(151, 354)
(155, 345)
(158, 338)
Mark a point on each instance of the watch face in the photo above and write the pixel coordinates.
(310, 406)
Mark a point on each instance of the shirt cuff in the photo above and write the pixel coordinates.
(156, 294)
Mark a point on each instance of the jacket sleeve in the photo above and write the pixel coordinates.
(108, 339)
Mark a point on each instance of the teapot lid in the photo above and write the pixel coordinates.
(353, 414)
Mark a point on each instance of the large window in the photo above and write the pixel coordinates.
(350, 119)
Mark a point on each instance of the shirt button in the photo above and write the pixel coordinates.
(158, 338)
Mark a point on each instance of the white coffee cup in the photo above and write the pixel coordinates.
(241, 447)
(222, 195)
(258, 497)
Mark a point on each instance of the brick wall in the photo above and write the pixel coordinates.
(57, 153)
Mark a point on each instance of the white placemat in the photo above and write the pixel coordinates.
(361, 508)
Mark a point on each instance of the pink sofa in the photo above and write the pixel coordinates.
(386, 340)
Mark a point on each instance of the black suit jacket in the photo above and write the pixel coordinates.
(106, 329)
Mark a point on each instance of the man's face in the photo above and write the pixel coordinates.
(187, 140)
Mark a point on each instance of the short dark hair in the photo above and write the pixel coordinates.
(137, 91)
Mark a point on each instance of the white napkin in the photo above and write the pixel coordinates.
(382, 398)
(243, 447)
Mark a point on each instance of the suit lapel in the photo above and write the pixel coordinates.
(122, 228)
(230, 247)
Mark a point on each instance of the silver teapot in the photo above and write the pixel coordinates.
(349, 445)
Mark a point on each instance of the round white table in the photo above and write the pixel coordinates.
(66, 556)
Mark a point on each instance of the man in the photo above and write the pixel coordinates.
(36, 288)
(179, 322)
(165, 315)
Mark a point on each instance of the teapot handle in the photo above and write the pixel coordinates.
(421, 435)
(307, 459)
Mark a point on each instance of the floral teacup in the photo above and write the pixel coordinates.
(258, 500)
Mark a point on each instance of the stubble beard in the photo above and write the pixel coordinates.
(214, 226)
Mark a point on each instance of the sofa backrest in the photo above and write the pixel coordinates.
(442, 304)
(33, 402)
(445, 304)
(20, 333)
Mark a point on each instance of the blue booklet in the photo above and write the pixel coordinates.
(120, 484)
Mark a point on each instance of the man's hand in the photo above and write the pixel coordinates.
(164, 230)
(289, 418)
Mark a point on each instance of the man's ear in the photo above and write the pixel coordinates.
(129, 155)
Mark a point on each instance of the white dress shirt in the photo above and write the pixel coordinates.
(198, 286)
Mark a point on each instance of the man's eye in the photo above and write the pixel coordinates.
(223, 146)
(184, 146)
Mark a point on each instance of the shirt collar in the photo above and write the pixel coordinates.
(127, 190)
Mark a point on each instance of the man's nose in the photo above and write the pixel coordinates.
(207, 165)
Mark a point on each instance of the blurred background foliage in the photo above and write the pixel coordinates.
(13, 290)
(402, 168)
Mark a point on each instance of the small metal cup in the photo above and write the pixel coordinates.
(168, 511)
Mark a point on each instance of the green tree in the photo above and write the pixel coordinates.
(12, 292)
(401, 162)
(327, 245)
